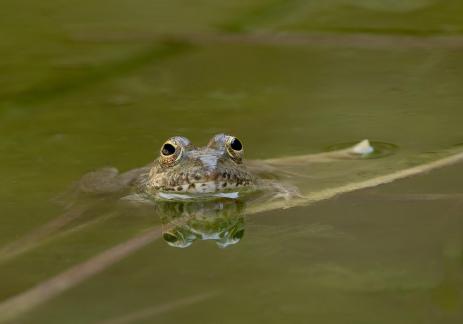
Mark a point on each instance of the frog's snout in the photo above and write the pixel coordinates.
(209, 163)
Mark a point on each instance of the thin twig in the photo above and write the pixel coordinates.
(68, 279)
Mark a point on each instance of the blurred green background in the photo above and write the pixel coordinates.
(86, 84)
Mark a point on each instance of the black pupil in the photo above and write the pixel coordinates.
(236, 144)
(168, 149)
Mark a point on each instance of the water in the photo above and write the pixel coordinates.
(85, 85)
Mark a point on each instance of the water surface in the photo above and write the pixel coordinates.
(85, 85)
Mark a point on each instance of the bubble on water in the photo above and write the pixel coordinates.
(363, 148)
(374, 149)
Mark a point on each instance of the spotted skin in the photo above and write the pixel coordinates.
(214, 168)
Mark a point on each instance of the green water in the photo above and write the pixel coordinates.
(87, 84)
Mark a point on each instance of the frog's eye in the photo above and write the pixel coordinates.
(234, 148)
(167, 149)
(235, 144)
(171, 152)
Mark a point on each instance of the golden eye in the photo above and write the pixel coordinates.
(234, 148)
(171, 152)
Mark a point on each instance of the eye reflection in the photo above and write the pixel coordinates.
(184, 222)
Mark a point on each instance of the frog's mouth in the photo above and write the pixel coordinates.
(206, 191)
(198, 196)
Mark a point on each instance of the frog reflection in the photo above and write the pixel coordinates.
(184, 222)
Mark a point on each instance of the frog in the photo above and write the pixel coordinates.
(196, 190)
(219, 169)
